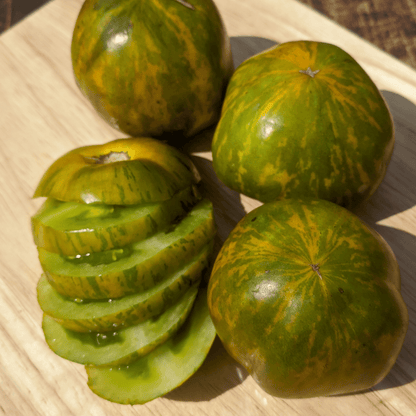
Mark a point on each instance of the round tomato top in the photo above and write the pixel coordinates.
(121, 172)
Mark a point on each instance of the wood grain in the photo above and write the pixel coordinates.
(43, 115)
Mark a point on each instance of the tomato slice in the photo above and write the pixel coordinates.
(134, 267)
(115, 314)
(163, 369)
(122, 346)
(72, 228)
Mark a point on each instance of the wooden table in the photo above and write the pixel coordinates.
(43, 115)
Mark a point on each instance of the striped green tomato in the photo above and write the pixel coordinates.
(152, 67)
(121, 172)
(303, 119)
(307, 298)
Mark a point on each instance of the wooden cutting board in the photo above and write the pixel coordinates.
(43, 115)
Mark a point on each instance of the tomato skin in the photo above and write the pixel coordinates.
(149, 171)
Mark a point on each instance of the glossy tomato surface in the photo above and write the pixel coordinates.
(152, 67)
(307, 298)
(303, 119)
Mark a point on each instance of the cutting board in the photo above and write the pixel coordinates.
(43, 115)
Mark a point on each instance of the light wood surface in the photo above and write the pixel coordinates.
(43, 115)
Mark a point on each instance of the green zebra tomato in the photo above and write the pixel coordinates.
(307, 298)
(124, 238)
(152, 67)
(303, 119)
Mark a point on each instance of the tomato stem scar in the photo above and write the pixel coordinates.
(108, 158)
(309, 72)
(315, 268)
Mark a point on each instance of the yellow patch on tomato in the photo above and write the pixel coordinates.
(364, 178)
(242, 273)
(327, 183)
(97, 75)
(312, 179)
(229, 316)
(296, 223)
(302, 57)
(352, 138)
(271, 173)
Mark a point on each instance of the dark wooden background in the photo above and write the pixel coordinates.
(388, 24)
(12, 11)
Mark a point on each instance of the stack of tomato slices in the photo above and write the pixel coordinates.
(124, 238)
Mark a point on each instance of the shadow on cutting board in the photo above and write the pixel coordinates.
(218, 374)
(243, 47)
(397, 194)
